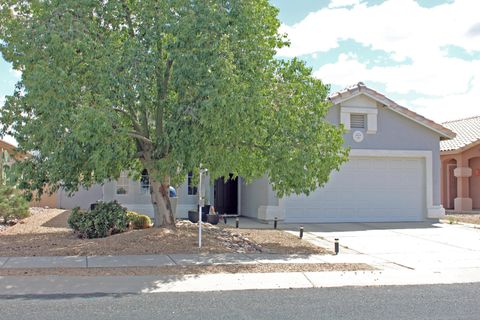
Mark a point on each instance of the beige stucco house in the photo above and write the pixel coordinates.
(461, 166)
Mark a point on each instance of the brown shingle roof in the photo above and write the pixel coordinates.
(361, 88)
(467, 130)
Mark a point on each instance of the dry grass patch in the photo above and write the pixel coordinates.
(188, 270)
(473, 218)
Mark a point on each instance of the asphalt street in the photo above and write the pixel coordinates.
(399, 302)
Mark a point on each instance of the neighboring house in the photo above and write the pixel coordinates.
(10, 148)
(393, 173)
(461, 166)
(46, 200)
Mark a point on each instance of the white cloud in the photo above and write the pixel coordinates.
(408, 32)
(17, 74)
(10, 140)
(450, 107)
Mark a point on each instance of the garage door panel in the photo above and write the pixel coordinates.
(366, 190)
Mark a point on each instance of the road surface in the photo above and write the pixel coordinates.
(403, 302)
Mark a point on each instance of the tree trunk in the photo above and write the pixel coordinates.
(161, 204)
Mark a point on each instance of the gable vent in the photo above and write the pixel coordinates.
(357, 121)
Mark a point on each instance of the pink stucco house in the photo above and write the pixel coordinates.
(460, 159)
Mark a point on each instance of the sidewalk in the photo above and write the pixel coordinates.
(177, 259)
(387, 274)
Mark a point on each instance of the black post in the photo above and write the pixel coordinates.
(337, 246)
(301, 232)
(237, 222)
(225, 219)
(275, 223)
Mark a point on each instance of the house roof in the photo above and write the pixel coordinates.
(361, 88)
(467, 130)
(7, 146)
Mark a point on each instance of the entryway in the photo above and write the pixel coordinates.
(226, 195)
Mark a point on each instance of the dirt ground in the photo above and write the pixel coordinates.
(473, 218)
(45, 233)
(184, 270)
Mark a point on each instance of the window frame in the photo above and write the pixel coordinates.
(191, 190)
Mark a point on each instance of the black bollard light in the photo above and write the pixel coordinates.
(237, 222)
(301, 232)
(275, 220)
(337, 246)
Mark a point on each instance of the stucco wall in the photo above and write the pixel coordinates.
(138, 199)
(396, 132)
(475, 183)
(82, 198)
(253, 196)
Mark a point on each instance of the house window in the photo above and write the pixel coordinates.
(145, 181)
(357, 121)
(122, 184)
(192, 190)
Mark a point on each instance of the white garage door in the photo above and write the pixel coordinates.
(366, 189)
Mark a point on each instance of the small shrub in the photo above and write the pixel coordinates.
(75, 219)
(106, 219)
(139, 221)
(12, 204)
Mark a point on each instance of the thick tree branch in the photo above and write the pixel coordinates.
(131, 117)
(138, 136)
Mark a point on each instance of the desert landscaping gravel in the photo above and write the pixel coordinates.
(45, 233)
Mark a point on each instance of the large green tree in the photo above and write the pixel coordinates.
(163, 85)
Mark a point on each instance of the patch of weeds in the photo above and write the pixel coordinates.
(452, 220)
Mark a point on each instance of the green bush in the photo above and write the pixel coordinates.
(106, 219)
(12, 204)
(139, 221)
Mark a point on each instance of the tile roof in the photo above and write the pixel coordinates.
(467, 130)
(361, 88)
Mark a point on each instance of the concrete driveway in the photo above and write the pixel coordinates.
(416, 246)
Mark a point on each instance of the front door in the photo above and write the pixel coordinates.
(226, 195)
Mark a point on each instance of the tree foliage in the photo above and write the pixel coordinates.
(162, 85)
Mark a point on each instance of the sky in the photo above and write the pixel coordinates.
(423, 54)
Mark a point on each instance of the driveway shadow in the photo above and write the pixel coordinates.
(59, 221)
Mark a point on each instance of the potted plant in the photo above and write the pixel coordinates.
(213, 216)
(193, 216)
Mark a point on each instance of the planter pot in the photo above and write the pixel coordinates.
(193, 216)
(213, 218)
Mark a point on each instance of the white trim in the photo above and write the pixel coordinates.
(432, 211)
(371, 115)
(436, 212)
(359, 110)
